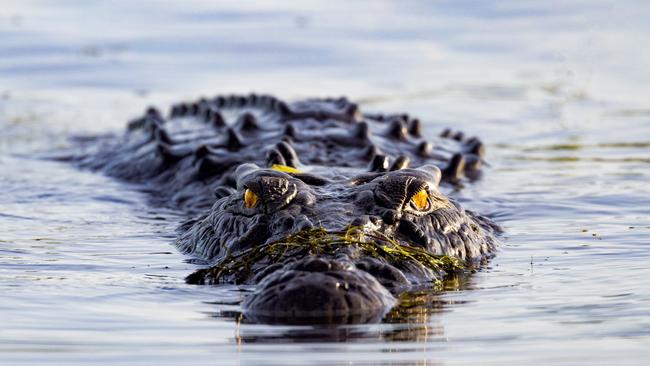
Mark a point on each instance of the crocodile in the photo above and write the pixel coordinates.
(329, 212)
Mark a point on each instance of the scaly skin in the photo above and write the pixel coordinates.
(285, 173)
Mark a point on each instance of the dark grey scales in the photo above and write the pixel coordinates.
(254, 170)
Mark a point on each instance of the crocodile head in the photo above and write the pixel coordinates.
(330, 243)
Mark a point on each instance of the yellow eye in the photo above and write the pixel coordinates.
(421, 200)
(250, 198)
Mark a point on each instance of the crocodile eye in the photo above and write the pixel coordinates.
(421, 200)
(250, 198)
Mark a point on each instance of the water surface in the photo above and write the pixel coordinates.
(558, 91)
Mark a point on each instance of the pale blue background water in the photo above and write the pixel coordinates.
(559, 90)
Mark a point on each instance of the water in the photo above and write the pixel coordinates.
(558, 90)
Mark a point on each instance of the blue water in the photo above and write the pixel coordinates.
(558, 90)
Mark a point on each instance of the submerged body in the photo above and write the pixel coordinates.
(328, 211)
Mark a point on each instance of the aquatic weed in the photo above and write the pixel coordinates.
(319, 242)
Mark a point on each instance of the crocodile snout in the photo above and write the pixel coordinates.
(323, 288)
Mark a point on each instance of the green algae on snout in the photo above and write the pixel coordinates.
(240, 267)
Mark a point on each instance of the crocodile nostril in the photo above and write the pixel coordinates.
(313, 265)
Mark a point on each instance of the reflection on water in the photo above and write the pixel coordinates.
(558, 90)
(405, 323)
